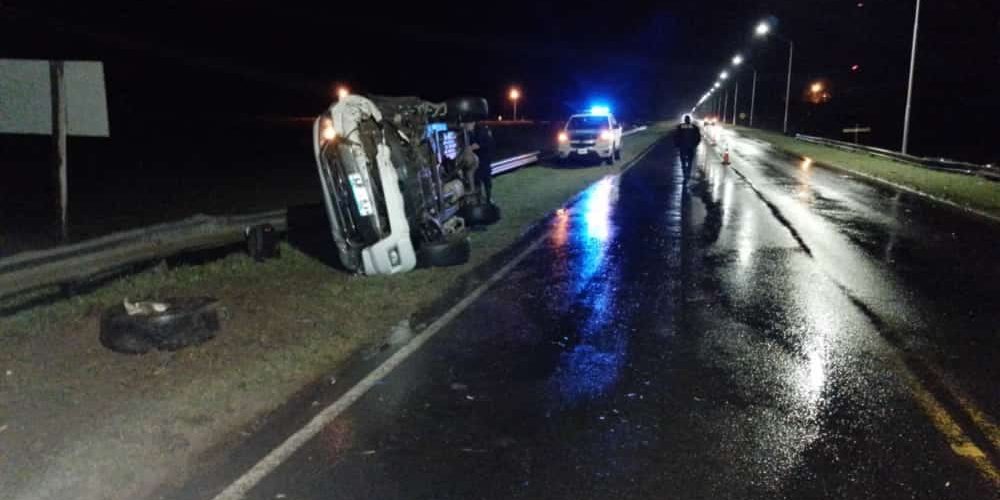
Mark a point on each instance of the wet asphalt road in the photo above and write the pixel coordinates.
(763, 331)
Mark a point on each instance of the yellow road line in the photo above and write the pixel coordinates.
(981, 419)
(960, 443)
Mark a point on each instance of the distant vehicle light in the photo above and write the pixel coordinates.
(605, 135)
(563, 137)
(600, 110)
(342, 92)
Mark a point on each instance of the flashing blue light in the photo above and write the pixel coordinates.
(600, 110)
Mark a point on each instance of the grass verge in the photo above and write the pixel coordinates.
(968, 191)
(77, 421)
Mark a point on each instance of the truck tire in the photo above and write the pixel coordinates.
(449, 251)
(618, 152)
(186, 322)
(610, 160)
(481, 214)
(467, 109)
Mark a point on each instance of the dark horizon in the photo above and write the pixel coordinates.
(207, 64)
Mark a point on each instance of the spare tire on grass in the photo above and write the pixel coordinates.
(185, 322)
(449, 251)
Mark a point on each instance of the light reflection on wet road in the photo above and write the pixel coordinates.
(666, 341)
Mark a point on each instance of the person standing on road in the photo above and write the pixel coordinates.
(686, 138)
(481, 141)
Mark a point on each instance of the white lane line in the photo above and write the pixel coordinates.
(238, 490)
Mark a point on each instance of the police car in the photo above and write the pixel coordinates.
(594, 134)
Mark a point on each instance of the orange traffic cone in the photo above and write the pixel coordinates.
(725, 157)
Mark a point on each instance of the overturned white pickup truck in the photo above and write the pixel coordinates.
(397, 181)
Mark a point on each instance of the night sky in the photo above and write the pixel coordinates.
(223, 61)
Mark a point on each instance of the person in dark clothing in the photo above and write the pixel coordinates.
(481, 141)
(686, 138)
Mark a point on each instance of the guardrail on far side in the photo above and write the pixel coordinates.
(943, 164)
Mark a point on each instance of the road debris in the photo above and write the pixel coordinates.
(455, 386)
(368, 452)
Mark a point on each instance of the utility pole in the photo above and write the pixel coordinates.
(753, 96)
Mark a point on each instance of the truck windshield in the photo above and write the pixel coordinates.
(587, 122)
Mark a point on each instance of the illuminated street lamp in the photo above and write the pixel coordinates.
(816, 88)
(762, 30)
(514, 96)
(723, 75)
(737, 60)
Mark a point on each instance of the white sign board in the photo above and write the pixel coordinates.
(26, 98)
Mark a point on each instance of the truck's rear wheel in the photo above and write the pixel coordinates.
(481, 214)
(449, 251)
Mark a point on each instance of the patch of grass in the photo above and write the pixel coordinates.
(111, 426)
(969, 191)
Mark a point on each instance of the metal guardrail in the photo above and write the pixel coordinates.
(92, 259)
(943, 164)
(506, 165)
(634, 131)
(107, 255)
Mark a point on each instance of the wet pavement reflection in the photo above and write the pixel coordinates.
(667, 340)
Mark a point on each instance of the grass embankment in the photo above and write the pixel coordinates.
(968, 191)
(79, 421)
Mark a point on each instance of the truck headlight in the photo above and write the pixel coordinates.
(327, 133)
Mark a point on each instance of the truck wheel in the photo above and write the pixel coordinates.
(187, 321)
(610, 160)
(481, 214)
(467, 109)
(618, 152)
(449, 251)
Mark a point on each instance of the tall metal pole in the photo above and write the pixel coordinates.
(725, 106)
(59, 130)
(736, 100)
(788, 86)
(515, 109)
(753, 96)
(909, 85)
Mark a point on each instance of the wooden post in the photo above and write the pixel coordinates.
(59, 126)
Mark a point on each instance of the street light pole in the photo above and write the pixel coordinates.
(736, 100)
(725, 106)
(753, 95)
(788, 86)
(909, 85)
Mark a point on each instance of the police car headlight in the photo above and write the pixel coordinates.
(606, 135)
